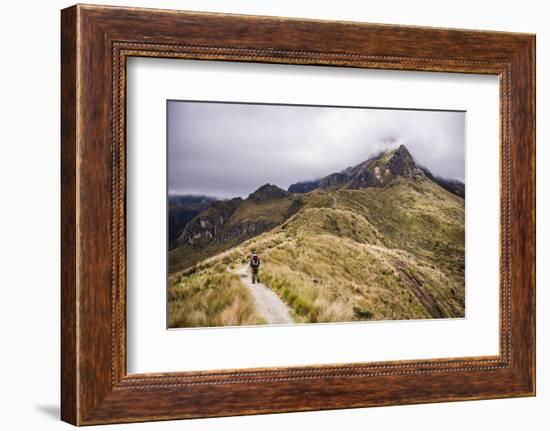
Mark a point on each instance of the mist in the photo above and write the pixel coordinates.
(226, 150)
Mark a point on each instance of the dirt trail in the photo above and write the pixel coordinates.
(334, 200)
(269, 305)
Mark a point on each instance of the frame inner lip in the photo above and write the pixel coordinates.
(127, 49)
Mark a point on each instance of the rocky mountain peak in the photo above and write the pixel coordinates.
(267, 192)
(376, 171)
(382, 169)
(401, 163)
(402, 151)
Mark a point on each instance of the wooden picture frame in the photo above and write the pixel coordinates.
(95, 43)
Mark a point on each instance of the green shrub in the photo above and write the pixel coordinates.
(362, 314)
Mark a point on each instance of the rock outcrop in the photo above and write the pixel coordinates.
(209, 224)
(181, 210)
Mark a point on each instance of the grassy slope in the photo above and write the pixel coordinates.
(391, 253)
(210, 297)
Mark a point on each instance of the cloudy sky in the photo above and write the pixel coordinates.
(226, 150)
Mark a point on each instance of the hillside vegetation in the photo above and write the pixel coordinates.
(345, 252)
(210, 297)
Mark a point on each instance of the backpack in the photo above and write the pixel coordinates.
(255, 262)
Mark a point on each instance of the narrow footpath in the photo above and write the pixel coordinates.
(268, 304)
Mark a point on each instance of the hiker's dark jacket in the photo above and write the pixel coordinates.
(255, 263)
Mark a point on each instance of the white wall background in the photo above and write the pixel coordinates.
(29, 216)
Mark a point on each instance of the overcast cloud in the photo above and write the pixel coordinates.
(227, 150)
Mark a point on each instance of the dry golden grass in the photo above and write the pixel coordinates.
(210, 298)
(330, 279)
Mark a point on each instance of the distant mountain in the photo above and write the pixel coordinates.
(268, 192)
(456, 187)
(232, 221)
(181, 210)
(377, 172)
(303, 186)
(208, 224)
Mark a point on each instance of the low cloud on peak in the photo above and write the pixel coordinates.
(228, 150)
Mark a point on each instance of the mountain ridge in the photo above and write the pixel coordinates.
(226, 223)
(378, 171)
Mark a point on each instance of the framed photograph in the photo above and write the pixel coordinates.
(346, 243)
(264, 215)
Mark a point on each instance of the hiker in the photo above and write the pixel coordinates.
(255, 265)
